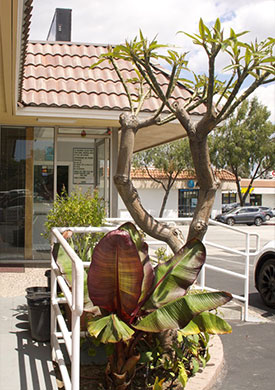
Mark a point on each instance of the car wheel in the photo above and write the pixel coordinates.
(230, 221)
(266, 282)
(258, 221)
(267, 217)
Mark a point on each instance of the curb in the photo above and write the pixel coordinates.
(206, 378)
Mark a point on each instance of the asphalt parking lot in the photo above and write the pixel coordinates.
(249, 351)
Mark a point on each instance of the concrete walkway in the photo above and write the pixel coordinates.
(24, 363)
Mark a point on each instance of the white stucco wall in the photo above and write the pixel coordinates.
(151, 200)
(268, 200)
(151, 195)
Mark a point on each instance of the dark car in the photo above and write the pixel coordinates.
(268, 212)
(248, 215)
(264, 273)
(230, 206)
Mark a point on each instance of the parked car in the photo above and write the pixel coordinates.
(268, 212)
(264, 273)
(230, 206)
(249, 215)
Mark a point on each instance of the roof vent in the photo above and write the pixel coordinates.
(61, 25)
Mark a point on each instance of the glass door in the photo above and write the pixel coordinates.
(82, 161)
(43, 194)
(187, 202)
(102, 169)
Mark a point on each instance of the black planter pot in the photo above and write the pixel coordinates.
(48, 276)
(39, 299)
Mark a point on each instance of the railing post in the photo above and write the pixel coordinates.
(246, 282)
(202, 278)
(75, 372)
(53, 298)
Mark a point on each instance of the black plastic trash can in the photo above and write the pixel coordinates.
(48, 276)
(39, 299)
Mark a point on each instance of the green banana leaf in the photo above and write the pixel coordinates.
(173, 278)
(109, 329)
(177, 314)
(116, 274)
(206, 322)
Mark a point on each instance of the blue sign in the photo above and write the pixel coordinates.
(190, 184)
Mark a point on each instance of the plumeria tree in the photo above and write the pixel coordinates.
(249, 66)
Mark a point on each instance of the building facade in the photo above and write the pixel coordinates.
(183, 196)
(59, 127)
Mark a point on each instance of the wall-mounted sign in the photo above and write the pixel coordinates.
(244, 189)
(190, 184)
(83, 166)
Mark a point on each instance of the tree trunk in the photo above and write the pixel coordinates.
(207, 184)
(164, 201)
(171, 181)
(238, 185)
(129, 194)
(121, 367)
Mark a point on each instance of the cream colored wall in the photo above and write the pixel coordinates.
(152, 198)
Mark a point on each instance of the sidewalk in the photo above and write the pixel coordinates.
(24, 363)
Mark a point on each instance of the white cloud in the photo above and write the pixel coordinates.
(266, 95)
(111, 21)
(257, 17)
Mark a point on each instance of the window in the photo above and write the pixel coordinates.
(229, 197)
(187, 202)
(14, 154)
(255, 199)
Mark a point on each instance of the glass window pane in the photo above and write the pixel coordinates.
(43, 151)
(12, 192)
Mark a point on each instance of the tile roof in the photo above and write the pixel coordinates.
(141, 174)
(58, 74)
(26, 22)
(259, 183)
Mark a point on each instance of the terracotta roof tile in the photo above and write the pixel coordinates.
(27, 9)
(59, 75)
(142, 174)
(259, 183)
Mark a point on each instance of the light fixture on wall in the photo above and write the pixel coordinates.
(83, 133)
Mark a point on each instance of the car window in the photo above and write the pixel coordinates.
(242, 211)
(234, 211)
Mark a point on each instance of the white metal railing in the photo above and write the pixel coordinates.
(245, 254)
(74, 297)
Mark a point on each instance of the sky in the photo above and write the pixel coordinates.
(113, 21)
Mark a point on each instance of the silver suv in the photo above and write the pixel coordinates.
(249, 215)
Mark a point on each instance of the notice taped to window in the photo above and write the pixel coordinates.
(83, 169)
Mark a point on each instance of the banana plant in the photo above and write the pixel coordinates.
(132, 298)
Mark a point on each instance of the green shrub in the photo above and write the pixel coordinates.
(77, 209)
